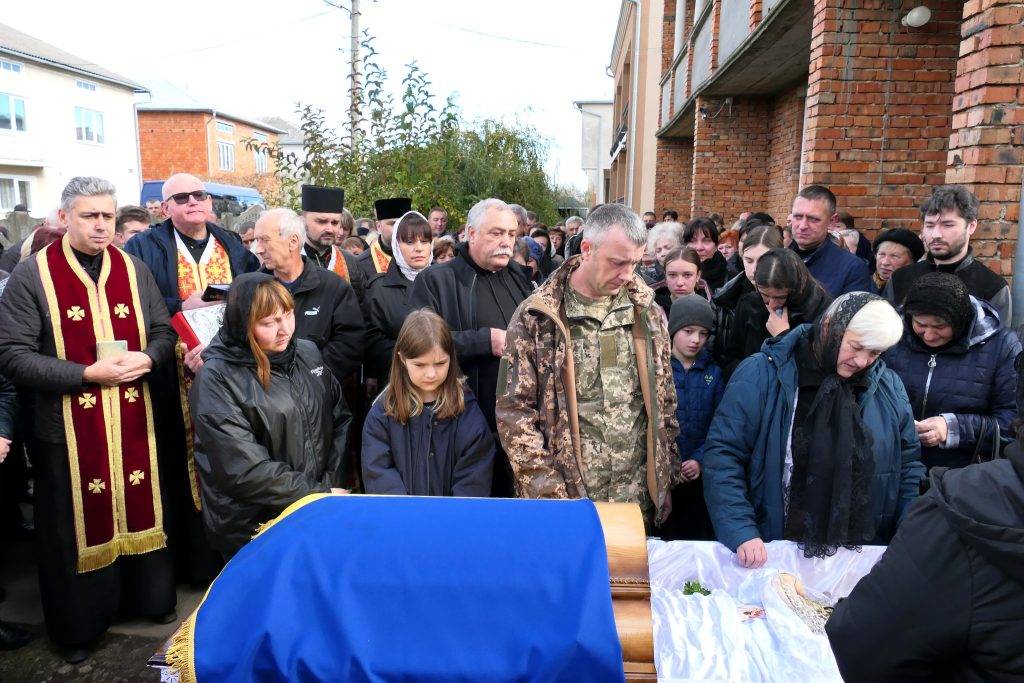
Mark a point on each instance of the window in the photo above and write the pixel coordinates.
(226, 155)
(260, 156)
(89, 125)
(14, 191)
(12, 67)
(86, 85)
(12, 113)
(225, 129)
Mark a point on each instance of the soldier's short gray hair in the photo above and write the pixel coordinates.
(609, 216)
(289, 222)
(85, 186)
(476, 214)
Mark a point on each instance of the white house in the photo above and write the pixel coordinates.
(61, 116)
(595, 156)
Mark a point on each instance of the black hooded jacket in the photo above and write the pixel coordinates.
(259, 450)
(945, 601)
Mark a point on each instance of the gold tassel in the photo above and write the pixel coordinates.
(181, 654)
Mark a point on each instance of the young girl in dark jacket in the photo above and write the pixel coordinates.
(425, 434)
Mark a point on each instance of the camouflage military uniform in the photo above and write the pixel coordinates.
(613, 424)
(540, 420)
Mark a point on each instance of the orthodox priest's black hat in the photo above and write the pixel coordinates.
(320, 199)
(394, 208)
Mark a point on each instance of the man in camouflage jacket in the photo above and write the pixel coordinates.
(559, 445)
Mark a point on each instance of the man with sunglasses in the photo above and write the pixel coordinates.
(186, 253)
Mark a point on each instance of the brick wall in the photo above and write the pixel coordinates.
(986, 147)
(186, 142)
(673, 185)
(879, 97)
(785, 137)
(730, 156)
(172, 142)
(668, 31)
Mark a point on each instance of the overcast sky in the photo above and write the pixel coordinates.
(522, 61)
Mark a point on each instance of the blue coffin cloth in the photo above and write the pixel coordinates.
(366, 588)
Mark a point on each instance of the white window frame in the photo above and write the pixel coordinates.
(14, 119)
(18, 198)
(99, 133)
(87, 86)
(260, 158)
(225, 128)
(11, 67)
(226, 155)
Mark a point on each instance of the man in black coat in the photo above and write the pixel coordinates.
(476, 293)
(950, 217)
(945, 601)
(326, 308)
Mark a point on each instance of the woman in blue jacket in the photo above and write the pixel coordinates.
(814, 440)
(425, 434)
(957, 364)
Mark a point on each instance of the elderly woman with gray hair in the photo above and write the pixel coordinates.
(814, 440)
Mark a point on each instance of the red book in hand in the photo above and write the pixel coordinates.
(198, 326)
(184, 330)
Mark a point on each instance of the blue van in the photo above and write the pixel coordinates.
(226, 198)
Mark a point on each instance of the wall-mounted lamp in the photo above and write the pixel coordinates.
(917, 17)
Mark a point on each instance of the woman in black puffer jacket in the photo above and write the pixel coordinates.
(957, 364)
(270, 421)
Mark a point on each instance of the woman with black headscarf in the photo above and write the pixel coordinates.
(957, 364)
(814, 439)
(270, 421)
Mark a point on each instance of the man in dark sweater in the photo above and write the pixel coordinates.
(476, 293)
(950, 217)
(835, 268)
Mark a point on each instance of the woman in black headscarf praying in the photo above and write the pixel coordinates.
(814, 439)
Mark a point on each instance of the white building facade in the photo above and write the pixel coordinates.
(595, 149)
(59, 120)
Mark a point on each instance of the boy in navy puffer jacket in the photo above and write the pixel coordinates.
(699, 387)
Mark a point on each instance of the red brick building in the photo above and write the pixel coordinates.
(761, 97)
(204, 142)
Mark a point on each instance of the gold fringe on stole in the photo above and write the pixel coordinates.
(186, 416)
(138, 543)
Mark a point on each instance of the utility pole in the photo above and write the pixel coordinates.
(354, 76)
(353, 110)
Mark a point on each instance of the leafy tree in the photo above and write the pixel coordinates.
(410, 147)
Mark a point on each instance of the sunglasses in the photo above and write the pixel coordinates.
(182, 197)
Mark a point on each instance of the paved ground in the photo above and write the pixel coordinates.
(121, 656)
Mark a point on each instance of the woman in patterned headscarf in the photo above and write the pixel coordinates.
(814, 440)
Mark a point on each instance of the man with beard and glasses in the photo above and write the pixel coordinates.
(476, 293)
(950, 217)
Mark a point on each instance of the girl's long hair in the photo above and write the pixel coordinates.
(783, 269)
(268, 298)
(421, 332)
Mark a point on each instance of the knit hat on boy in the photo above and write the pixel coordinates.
(690, 310)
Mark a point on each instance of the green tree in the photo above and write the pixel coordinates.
(410, 147)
